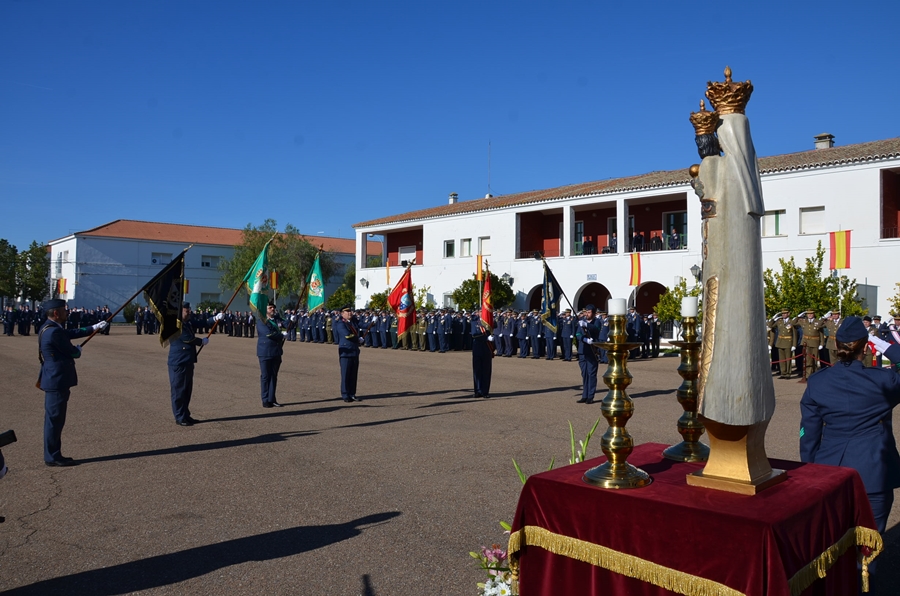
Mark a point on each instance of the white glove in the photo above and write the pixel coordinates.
(571, 336)
(792, 350)
(100, 326)
(293, 318)
(879, 344)
(284, 333)
(526, 337)
(490, 338)
(588, 340)
(827, 315)
(219, 316)
(205, 340)
(877, 354)
(582, 323)
(820, 347)
(361, 341)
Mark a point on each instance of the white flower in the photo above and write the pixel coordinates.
(491, 588)
(503, 589)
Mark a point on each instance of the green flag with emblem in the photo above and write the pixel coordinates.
(256, 282)
(316, 295)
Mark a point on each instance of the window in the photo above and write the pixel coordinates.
(676, 220)
(208, 261)
(579, 237)
(772, 223)
(59, 262)
(160, 258)
(449, 249)
(484, 246)
(448, 301)
(465, 247)
(812, 220)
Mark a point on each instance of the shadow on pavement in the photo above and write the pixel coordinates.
(392, 420)
(261, 439)
(278, 414)
(537, 391)
(164, 570)
(652, 393)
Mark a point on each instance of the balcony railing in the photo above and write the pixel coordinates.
(890, 232)
(536, 254)
(658, 244)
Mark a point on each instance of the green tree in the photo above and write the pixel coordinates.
(799, 289)
(33, 272)
(669, 306)
(422, 299)
(467, 296)
(373, 261)
(290, 254)
(8, 262)
(379, 301)
(895, 303)
(343, 295)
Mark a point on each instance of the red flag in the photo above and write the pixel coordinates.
(403, 303)
(487, 305)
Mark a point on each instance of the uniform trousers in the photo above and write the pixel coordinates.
(349, 372)
(181, 380)
(268, 378)
(56, 404)
(567, 348)
(589, 378)
(784, 355)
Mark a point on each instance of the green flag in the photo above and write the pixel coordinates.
(316, 296)
(256, 282)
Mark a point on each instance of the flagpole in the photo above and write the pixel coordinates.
(405, 271)
(136, 294)
(304, 290)
(561, 291)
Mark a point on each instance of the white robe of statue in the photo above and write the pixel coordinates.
(735, 372)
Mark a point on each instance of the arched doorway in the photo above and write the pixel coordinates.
(593, 293)
(646, 296)
(534, 298)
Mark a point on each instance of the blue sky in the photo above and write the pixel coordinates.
(326, 114)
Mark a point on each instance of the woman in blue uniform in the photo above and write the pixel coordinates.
(846, 416)
(482, 353)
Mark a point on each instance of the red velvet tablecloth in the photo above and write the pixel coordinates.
(573, 538)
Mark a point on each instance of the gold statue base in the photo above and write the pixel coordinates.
(624, 475)
(737, 460)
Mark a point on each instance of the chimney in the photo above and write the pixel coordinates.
(488, 196)
(824, 141)
(453, 198)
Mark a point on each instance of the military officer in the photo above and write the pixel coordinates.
(182, 357)
(587, 333)
(482, 353)
(830, 324)
(58, 376)
(567, 334)
(785, 341)
(346, 330)
(811, 340)
(269, 349)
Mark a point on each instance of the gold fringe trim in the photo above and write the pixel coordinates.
(606, 558)
(819, 566)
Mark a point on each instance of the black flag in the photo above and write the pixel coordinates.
(165, 293)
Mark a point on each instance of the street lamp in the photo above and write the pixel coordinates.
(697, 272)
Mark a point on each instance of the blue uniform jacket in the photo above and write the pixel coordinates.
(846, 421)
(347, 336)
(58, 370)
(183, 349)
(269, 340)
(590, 329)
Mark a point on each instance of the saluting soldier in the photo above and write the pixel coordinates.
(182, 357)
(785, 341)
(830, 326)
(269, 349)
(812, 339)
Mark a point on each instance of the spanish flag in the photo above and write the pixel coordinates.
(61, 286)
(635, 269)
(840, 250)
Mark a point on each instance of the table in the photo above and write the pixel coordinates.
(569, 537)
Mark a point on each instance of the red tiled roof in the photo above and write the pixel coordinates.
(815, 158)
(166, 232)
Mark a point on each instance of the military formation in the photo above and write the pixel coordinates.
(803, 344)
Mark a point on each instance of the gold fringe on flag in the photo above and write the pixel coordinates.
(606, 558)
(820, 565)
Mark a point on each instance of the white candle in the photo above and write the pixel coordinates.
(689, 306)
(616, 306)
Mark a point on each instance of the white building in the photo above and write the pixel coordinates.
(106, 265)
(807, 195)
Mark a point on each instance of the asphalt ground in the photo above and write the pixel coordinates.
(385, 497)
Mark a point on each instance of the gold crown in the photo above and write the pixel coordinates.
(704, 122)
(729, 97)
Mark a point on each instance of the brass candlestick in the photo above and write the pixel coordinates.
(689, 426)
(617, 408)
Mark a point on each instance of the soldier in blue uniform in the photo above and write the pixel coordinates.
(182, 357)
(522, 335)
(567, 334)
(346, 332)
(588, 332)
(846, 416)
(269, 349)
(482, 354)
(58, 376)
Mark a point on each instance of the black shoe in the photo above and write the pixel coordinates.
(581, 401)
(185, 422)
(275, 404)
(590, 401)
(347, 399)
(61, 463)
(354, 398)
(486, 396)
(267, 405)
(192, 420)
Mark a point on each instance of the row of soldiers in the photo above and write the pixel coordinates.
(20, 320)
(812, 342)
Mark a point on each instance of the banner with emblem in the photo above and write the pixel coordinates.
(256, 282)
(487, 305)
(315, 297)
(165, 293)
(403, 303)
(551, 294)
